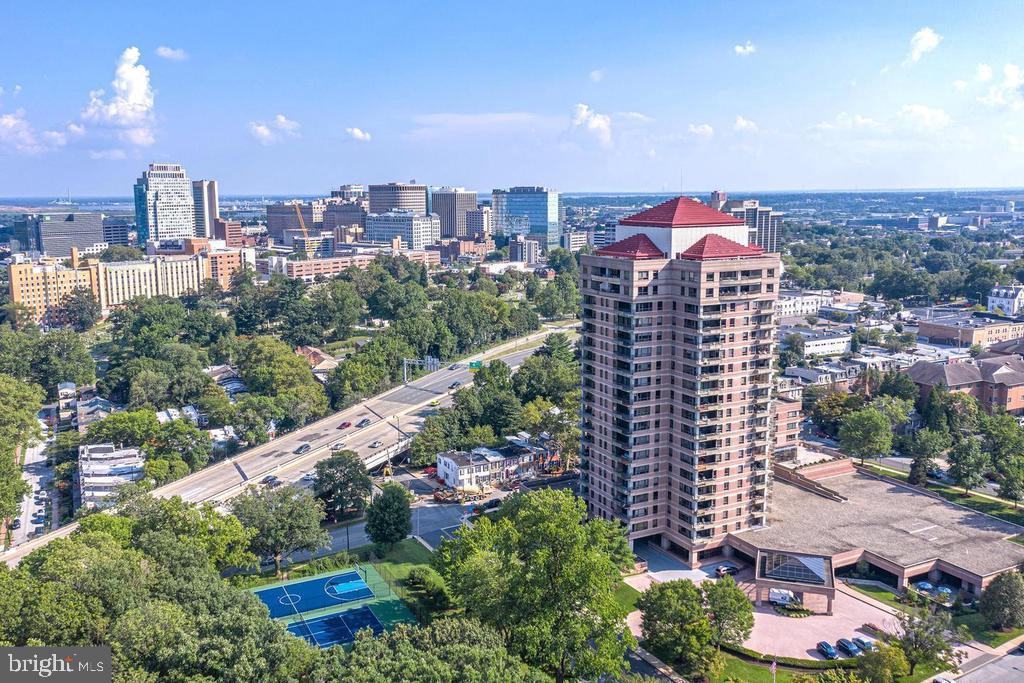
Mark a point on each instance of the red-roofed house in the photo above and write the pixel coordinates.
(677, 345)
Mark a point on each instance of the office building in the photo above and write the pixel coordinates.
(102, 469)
(295, 215)
(350, 192)
(229, 231)
(54, 234)
(522, 248)
(345, 214)
(451, 204)
(398, 197)
(765, 225)
(574, 240)
(312, 269)
(314, 245)
(677, 348)
(164, 204)
(527, 210)
(478, 223)
(207, 207)
(116, 230)
(417, 231)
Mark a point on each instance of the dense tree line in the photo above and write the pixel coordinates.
(542, 396)
(19, 427)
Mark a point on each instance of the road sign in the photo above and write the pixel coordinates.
(475, 364)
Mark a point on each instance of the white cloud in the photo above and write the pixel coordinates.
(983, 73)
(844, 121)
(635, 116)
(923, 117)
(269, 132)
(960, 85)
(16, 91)
(175, 54)
(18, 134)
(599, 125)
(1008, 92)
(921, 43)
(701, 130)
(76, 129)
(358, 134)
(744, 50)
(597, 75)
(744, 125)
(130, 107)
(107, 154)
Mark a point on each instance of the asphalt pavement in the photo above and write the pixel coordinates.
(1008, 669)
(38, 476)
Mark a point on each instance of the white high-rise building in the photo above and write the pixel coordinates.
(164, 205)
(416, 230)
(207, 209)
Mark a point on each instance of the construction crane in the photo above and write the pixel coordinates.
(302, 227)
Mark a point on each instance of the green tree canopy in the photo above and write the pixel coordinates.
(284, 520)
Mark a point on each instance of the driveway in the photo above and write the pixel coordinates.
(664, 566)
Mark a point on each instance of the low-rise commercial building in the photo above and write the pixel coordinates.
(964, 330)
(310, 269)
(1006, 300)
(817, 342)
(792, 303)
(482, 467)
(997, 382)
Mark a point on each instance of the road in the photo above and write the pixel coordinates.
(1008, 669)
(38, 476)
(395, 415)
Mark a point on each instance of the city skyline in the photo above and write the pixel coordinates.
(652, 102)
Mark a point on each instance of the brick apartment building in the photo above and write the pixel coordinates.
(677, 347)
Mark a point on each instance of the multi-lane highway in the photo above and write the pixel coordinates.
(395, 416)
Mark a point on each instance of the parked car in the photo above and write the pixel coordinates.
(781, 596)
(726, 570)
(365, 422)
(827, 651)
(864, 644)
(338, 446)
(455, 385)
(304, 448)
(847, 647)
(345, 425)
(376, 444)
(16, 524)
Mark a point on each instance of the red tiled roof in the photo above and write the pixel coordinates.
(635, 247)
(715, 246)
(681, 212)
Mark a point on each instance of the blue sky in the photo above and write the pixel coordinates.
(299, 97)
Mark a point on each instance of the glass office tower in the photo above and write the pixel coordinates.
(527, 210)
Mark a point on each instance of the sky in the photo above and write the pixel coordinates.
(296, 98)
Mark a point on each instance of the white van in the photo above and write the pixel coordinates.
(781, 596)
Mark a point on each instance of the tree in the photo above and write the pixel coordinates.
(675, 625)
(896, 410)
(729, 611)
(131, 428)
(343, 484)
(181, 439)
(967, 464)
(1002, 603)
(285, 520)
(117, 252)
(831, 409)
(1011, 486)
(542, 580)
(924, 641)
(883, 664)
(19, 426)
(865, 433)
(61, 356)
(388, 518)
(81, 310)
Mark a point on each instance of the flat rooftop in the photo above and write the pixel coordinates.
(888, 520)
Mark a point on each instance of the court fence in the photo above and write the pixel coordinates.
(394, 586)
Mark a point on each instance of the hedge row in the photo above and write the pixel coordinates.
(791, 662)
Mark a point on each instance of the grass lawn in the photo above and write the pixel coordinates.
(405, 555)
(749, 672)
(627, 596)
(982, 633)
(880, 594)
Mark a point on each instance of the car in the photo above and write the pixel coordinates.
(304, 448)
(338, 446)
(16, 524)
(345, 425)
(309, 476)
(270, 481)
(455, 385)
(726, 570)
(453, 366)
(863, 643)
(365, 422)
(827, 651)
(492, 503)
(376, 444)
(847, 647)
(435, 403)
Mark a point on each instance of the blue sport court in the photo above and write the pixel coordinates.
(314, 594)
(336, 629)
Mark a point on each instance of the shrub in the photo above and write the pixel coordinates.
(431, 585)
